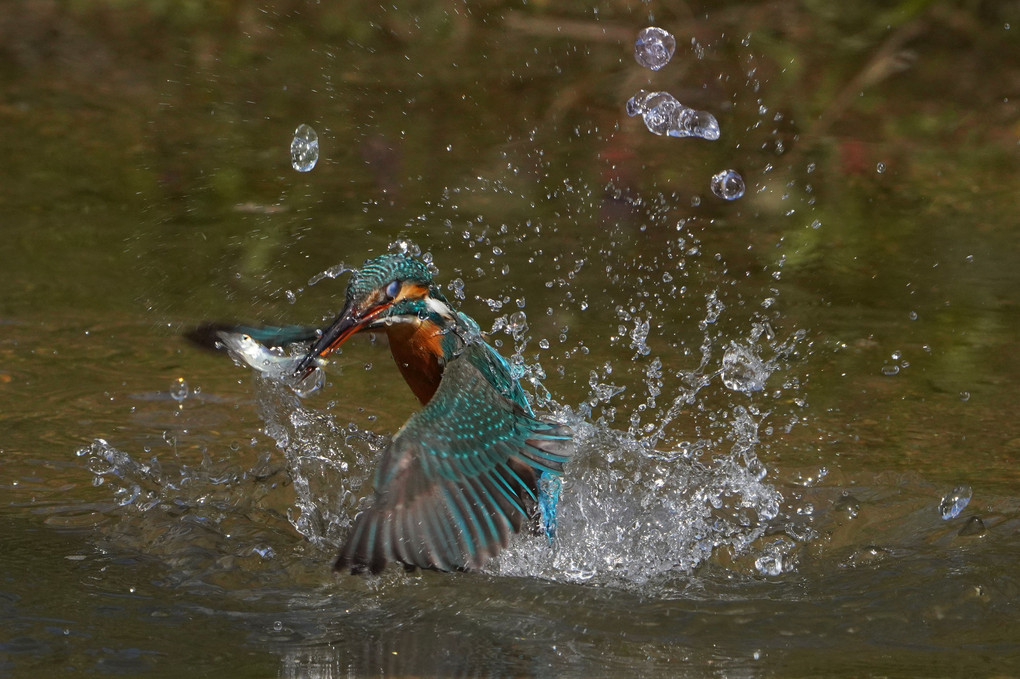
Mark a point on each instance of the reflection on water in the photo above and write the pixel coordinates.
(797, 442)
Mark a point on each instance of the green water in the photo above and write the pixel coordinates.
(872, 263)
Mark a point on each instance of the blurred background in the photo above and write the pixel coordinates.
(796, 409)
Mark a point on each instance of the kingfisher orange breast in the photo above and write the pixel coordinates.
(417, 351)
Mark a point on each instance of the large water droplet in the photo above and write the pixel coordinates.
(974, 526)
(728, 185)
(308, 384)
(636, 104)
(457, 286)
(702, 124)
(661, 112)
(517, 324)
(654, 47)
(304, 149)
(179, 391)
(664, 115)
(954, 501)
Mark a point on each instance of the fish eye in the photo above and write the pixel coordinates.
(393, 289)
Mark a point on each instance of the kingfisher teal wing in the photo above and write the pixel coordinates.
(207, 335)
(458, 479)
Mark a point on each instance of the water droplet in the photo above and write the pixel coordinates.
(457, 286)
(816, 224)
(769, 564)
(954, 502)
(332, 272)
(964, 395)
(654, 48)
(544, 343)
(308, 384)
(868, 556)
(728, 185)
(264, 551)
(517, 324)
(277, 626)
(703, 124)
(304, 149)
(880, 168)
(848, 504)
(661, 112)
(179, 391)
(664, 115)
(974, 526)
(890, 370)
(636, 104)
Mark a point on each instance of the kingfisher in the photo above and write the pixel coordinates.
(475, 464)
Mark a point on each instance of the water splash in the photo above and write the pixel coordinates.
(639, 504)
(328, 463)
(743, 369)
(630, 516)
(332, 273)
(200, 515)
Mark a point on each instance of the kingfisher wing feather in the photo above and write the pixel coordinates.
(207, 335)
(458, 479)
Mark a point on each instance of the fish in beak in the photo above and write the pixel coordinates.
(350, 321)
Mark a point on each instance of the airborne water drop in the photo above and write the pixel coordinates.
(728, 185)
(654, 47)
(304, 149)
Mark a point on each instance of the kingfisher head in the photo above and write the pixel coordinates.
(385, 290)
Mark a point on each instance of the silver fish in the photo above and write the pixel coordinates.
(272, 362)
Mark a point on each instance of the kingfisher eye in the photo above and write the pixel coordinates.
(393, 289)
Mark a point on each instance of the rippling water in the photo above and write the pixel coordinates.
(796, 440)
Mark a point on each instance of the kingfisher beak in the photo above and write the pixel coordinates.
(346, 324)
